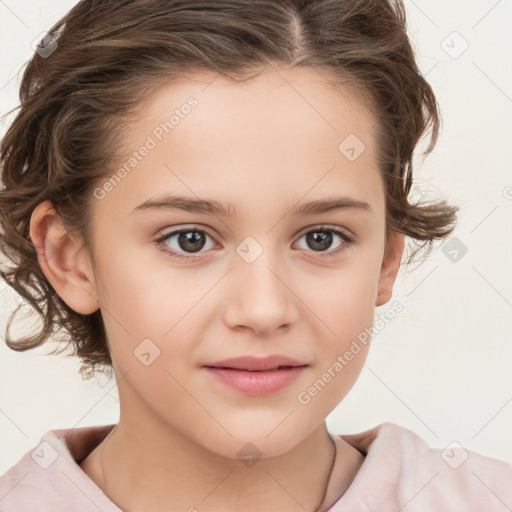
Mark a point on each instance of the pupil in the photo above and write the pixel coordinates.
(191, 241)
(319, 240)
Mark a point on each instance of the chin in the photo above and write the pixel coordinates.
(251, 447)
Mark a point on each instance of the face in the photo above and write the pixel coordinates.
(181, 288)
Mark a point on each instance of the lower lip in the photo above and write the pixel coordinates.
(257, 383)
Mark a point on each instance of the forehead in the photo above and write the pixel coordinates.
(301, 93)
(293, 103)
(284, 132)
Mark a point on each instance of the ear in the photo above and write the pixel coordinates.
(390, 267)
(67, 268)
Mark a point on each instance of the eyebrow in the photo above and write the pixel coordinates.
(212, 207)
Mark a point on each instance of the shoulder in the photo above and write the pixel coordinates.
(402, 472)
(48, 476)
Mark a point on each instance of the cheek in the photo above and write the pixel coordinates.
(344, 303)
(143, 296)
(160, 390)
(343, 300)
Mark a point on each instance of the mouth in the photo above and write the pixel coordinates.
(256, 376)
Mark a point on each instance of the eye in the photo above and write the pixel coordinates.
(321, 238)
(190, 240)
(186, 242)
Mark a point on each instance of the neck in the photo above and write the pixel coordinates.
(140, 470)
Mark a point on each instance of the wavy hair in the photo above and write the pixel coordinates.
(108, 58)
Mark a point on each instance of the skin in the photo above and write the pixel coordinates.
(261, 146)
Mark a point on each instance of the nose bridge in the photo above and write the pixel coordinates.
(257, 265)
(259, 258)
(260, 298)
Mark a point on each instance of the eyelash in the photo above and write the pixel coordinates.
(346, 239)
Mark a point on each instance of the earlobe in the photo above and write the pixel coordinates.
(389, 269)
(67, 269)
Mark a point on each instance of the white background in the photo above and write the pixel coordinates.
(442, 367)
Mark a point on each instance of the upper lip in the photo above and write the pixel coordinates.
(257, 363)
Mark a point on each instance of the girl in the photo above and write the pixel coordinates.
(277, 137)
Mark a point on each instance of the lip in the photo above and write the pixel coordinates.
(252, 363)
(256, 376)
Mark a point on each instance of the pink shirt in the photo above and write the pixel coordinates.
(400, 473)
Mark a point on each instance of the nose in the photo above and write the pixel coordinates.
(261, 297)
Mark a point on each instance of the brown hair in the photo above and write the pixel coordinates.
(109, 58)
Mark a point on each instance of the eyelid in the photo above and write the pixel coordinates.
(332, 227)
(176, 230)
(183, 227)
